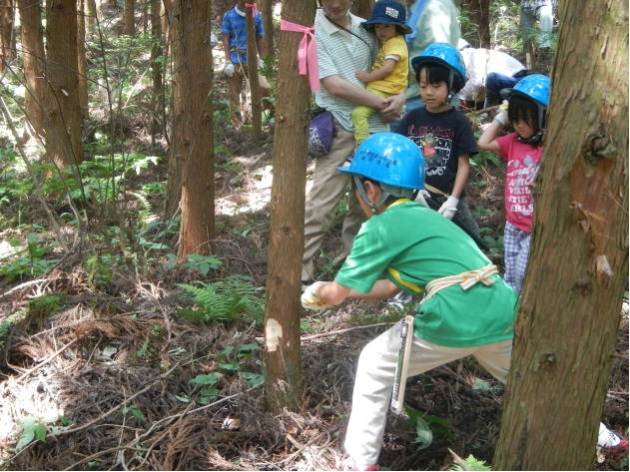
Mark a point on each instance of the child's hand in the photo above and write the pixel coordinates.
(362, 76)
(502, 116)
(310, 300)
(449, 207)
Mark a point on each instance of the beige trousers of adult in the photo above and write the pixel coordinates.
(236, 87)
(375, 378)
(329, 187)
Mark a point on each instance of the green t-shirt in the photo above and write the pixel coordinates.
(411, 246)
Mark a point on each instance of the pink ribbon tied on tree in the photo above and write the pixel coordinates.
(307, 52)
(254, 8)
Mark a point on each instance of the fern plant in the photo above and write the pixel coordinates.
(223, 301)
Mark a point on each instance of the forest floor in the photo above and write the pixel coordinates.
(108, 382)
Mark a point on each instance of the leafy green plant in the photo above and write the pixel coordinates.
(133, 410)
(232, 359)
(223, 301)
(26, 261)
(44, 305)
(33, 429)
(209, 392)
(36, 429)
(472, 463)
(100, 270)
(145, 350)
(424, 426)
(202, 264)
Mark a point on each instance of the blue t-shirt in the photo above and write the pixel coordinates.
(235, 26)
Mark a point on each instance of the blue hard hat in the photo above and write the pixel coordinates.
(535, 86)
(389, 158)
(442, 53)
(388, 12)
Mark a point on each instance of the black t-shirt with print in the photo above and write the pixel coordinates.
(442, 137)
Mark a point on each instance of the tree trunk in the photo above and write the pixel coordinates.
(190, 154)
(479, 13)
(63, 123)
(283, 368)
(570, 308)
(7, 49)
(129, 20)
(33, 60)
(82, 63)
(266, 9)
(157, 54)
(252, 72)
(91, 13)
(363, 8)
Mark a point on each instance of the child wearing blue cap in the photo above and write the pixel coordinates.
(389, 73)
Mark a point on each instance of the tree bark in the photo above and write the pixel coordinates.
(252, 72)
(363, 8)
(63, 114)
(82, 62)
(33, 60)
(570, 308)
(157, 64)
(266, 9)
(479, 13)
(7, 48)
(191, 171)
(129, 20)
(283, 369)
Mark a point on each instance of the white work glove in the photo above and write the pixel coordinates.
(422, 197)
(229, 69)
(449, 207)
(310, 299)
(502, 116)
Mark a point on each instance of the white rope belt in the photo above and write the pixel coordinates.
(465, 280)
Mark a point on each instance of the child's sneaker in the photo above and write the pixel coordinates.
(619, 451)
(611, 443)
(350, 464)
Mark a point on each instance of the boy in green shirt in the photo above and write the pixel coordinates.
(467, 308)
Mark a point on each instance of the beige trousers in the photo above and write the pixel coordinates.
(329, 187)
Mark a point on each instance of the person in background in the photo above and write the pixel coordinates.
(444, 134)
(234, 38)
(532, 11)
(389, 73)
(489, 71)
(343, 47)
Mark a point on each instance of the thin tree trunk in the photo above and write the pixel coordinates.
(157, 71)
(129, 21)
(363, 8)
(252, 69)
(33, 60)
(82, 62)
(266, 9)
(283, 369)
(191, 166)
(570, 309)
(63, 123)
(7, 47)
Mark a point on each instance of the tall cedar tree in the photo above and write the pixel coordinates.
(283, 369)
(570, 308)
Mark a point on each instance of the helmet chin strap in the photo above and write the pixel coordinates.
(361, 188)
(450, 94)
(536, 138)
